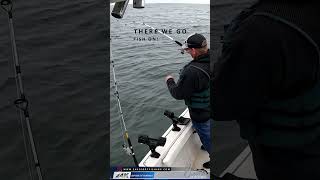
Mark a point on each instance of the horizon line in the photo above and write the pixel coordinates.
(167, 3)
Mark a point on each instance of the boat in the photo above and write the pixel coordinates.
(182, 149)
(241, 166)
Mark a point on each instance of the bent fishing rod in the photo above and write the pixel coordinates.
(21, 103)
(227, 176)
(177, 42)
(163, 34)
(129, 150)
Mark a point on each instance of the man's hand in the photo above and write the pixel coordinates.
(168, 77)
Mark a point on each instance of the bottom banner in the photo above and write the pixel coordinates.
(157, 173)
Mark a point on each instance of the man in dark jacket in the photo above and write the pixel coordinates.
(193, 87)
(268, 79)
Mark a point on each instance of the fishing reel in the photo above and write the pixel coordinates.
(152, 143)
(127, 150)
(176, 120)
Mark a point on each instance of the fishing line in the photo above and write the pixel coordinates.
(164, 34)
(8, 9)
(177, 42)
(22, 102)
(116, 93)
(182, 52)
(129, 150)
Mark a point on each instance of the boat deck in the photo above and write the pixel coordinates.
(242, 166)
(202, 155)
(201, 158)
(182, 149)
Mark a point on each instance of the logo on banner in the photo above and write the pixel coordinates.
(121, 175)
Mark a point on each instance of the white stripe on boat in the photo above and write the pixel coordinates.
(182, 149)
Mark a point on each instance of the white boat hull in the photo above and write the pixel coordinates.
(182, 149)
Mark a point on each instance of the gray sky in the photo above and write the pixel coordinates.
(177, 1)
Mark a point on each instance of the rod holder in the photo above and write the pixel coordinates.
(152, 143)
(175, 120)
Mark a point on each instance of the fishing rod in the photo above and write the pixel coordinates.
(179, 43)
(129, 150)
(227, 176)
(22, 102)
(166, 35)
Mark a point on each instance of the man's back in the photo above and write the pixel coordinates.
(267, 62)
(193, 78)
(193, 88)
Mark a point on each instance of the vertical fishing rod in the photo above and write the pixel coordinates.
(21, 102)
(125, 134)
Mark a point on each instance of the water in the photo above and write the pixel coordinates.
(141, 67)
(61, 45)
